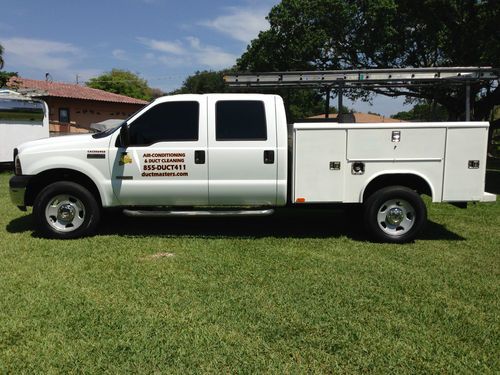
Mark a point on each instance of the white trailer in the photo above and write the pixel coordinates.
(22, 119)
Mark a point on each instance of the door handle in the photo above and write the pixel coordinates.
(268, 157)
(199, 157)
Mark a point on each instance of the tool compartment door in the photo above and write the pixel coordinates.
(319, 165)
(396, 144)
(465, 166)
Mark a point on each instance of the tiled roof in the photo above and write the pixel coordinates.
(69, 90)
(363, 118)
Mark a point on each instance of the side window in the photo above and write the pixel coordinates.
(240, 120)
(166, 122)
(21, 111)
(64, 115)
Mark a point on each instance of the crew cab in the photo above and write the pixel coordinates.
(233, 154)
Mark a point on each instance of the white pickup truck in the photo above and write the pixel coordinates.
(232, 154)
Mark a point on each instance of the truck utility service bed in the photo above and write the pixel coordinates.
(449, 156)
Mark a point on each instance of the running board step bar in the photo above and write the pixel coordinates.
(173, 213)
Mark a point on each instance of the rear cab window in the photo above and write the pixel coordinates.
(240, 120)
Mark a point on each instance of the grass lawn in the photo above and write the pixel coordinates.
(293, 293)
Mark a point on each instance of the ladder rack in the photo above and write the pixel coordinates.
(364, 78)
(367, 79)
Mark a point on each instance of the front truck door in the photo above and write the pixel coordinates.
(242, 159)
(165, 163)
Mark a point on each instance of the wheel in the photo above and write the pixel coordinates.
(395, 214)
(66, 210)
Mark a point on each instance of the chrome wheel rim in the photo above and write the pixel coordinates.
(65, 213)
(396, 217)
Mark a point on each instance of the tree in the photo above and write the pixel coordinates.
(423, 112)
(1, 57)
(122, 82)
(5, 77)
(156, 93)
(203, 82)
(342, 34)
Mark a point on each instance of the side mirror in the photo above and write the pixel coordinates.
(124, 136)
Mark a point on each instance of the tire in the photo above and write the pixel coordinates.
(395, 214)
(66, 210)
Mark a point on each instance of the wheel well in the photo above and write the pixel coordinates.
(45, 178)
(411, 181)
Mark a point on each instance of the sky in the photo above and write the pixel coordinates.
(163, 41)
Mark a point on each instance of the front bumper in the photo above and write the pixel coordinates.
(17, 188)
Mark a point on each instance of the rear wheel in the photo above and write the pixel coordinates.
(66, 210)
(395, 214)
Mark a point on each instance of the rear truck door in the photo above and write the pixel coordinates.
(242, 159)
(166, 161)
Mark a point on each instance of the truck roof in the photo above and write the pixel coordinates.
(225, 95)
(13, 95)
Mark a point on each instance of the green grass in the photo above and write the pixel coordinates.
(293, 293)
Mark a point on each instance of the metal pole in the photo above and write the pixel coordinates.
(327, 102)
(467, 101)
(340, 97)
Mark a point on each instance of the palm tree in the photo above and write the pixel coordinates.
(1, 58)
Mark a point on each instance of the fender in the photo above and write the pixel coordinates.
(399, 172)
(97, 176)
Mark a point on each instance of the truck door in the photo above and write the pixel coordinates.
(165, 163)
(242, 158)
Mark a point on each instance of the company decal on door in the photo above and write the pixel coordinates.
(164, 164)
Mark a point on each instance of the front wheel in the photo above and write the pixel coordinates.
(395, 214)
(66, 210)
